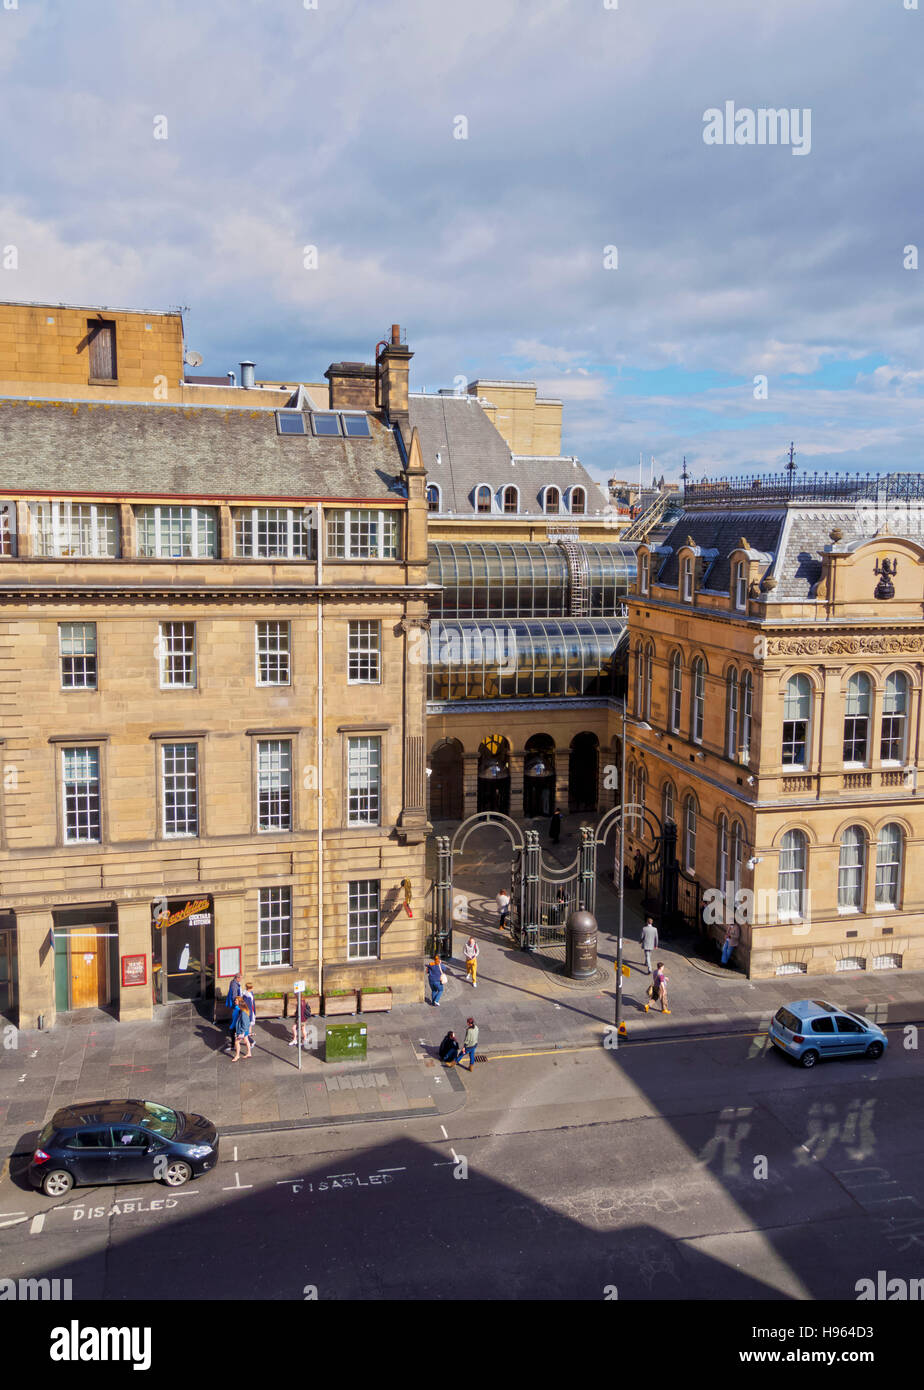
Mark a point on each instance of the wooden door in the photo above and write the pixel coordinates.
(88, 968)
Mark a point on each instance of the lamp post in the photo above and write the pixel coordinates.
(621, 888)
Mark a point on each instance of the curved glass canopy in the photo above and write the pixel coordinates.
(498, 660)
(526, 579)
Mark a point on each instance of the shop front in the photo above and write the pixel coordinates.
(183, 948)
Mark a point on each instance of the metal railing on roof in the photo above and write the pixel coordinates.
(810, 487)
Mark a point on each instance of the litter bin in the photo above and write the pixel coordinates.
(345, 1042)
(581, 945)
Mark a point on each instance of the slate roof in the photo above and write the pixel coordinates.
(721, 531)
(68, 447)
(472, 451)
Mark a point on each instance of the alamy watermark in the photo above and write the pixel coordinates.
(767, 125)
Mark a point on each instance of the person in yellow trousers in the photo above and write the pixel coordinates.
(657, 990)
(471, 960)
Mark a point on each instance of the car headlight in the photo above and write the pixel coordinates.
(199, 1150)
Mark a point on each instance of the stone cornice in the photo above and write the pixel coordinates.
(161, 593)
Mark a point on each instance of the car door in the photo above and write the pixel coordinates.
(821, 1032)
(133, 1156)
(851, 1034)
(90, 1154)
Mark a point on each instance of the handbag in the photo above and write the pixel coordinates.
(651, 991)
(442, 978)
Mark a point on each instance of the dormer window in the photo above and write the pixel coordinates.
(483, 498)
(686, 576)
(643, 572)
(551, 501)
(433, 498)
(578, 501)
(510, 499)
(741, 586)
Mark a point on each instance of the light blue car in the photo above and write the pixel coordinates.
(811, 1029)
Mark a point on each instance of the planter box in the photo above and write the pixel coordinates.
(378, 1001)
(314, 1004)
(270, 1008)
(340, 1004)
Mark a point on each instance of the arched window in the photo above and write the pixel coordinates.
(747, 692)
(698, 710)
(856, 719)
(731, 714)
(721, 867)
(551, 501)
(649, 677)
(578, 501)
(686, 573)
(631, 786)
(433, 497)
(797, 706)
(894, 718)
(790, 896)
(643, 572)
(741, 586)
(640, 787)
(851, 870)
(511, 499)
(689, 843)
(483, 498)
(667, 802)
(889, 854)
(639, 679)
(737, 854)
(676, 691)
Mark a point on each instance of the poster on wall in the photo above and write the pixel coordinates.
(229, 961)
(135, 970)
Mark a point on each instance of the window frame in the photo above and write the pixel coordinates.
(161, 516)
(897, 864)
(858, 727)
(349, 520)
(686, 578)
(250, 521)
(84, 656)
(889, 738)
(741, 587)
(359, 901)
(93, 807)
(270, 653)
(796, 874)
(265, 790)
(792, 740)
(162, 748)
(690, 831)
(434, 487)
(675, 702)
(371, 790)
(166, 652)
(268, 898)
(64, 522)
(643, 572)
(360, 652)
(505, 509)
(851, 876)
(697, 700)
(559, 508)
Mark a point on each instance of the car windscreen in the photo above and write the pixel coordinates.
(788, 1020)
(160, 1119)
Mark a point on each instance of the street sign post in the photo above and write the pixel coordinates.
(299, 988)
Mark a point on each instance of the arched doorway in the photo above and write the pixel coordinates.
(447, 797)
(539, 776)
(494, 775)
(583, 771)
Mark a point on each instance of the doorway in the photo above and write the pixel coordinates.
(583, 773)
(539, 776)
(494, 775)
(446, 781)
(8, 974)
(85, 957)
(182, 949)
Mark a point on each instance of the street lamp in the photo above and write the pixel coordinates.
(621, 889)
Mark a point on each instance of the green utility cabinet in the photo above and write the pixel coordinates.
(345, 1042)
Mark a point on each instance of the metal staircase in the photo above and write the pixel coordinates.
(576, 556)
(641, 528)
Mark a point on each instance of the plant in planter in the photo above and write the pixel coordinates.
(375, 999)
(269, 1003)
(339, 1001)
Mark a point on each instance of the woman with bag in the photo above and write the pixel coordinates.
(242, 1029)
(657, 990)
(436, 980)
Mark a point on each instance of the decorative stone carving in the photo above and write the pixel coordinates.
(882, 644)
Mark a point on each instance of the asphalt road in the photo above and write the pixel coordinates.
(696, 1169)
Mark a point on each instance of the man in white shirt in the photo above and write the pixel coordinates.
(503, 907)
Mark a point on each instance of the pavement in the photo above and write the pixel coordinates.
(522, 1004)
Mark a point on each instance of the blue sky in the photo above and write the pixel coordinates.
(334, 127)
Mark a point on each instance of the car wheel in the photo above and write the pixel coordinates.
(177, 1172)
(875, 1051)
(808, 1058)
(58, 1183)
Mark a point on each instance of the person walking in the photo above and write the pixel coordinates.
(555, 826)
(436, 979)
(657, 990)
(234, 990)
(302, 1015)
(249, 995)
(649, 941)
(242, 1029)
(503, 907)
(449, 1049)
(469, 1043)
(470, 953)
(732, 937)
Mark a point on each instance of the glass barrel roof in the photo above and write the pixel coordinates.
(495, 659)
(524, 579)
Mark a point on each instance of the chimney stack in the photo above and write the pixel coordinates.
(247, 375)
(394, 361)
(352, 385)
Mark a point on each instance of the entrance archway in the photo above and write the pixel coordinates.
(494, 776)
(447, 795)
(583, 773)
(539, 776)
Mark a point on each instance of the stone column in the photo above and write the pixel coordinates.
(36, 967)
(517, 764)
(413, 825)
(135, 1001)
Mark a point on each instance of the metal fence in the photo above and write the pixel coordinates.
(880, 488)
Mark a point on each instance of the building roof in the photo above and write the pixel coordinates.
(70, 447)
(472, 452)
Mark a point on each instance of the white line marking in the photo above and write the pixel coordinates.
(234, 1160)
(237, 1184)
(454, 1154)
(443, 1128)
(330, 1176)
(37, 1223)
(390, 1170)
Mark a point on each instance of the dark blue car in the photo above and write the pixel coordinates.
(115, 1141)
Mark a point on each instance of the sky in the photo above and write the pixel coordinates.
(523, 185)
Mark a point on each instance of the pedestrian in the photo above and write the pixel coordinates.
(649, 941)
(560, 910)
(248, 994)
(732, 936)
(503, 907)
(436, 979)
(470, 953)
(657, 990)
(449, 1049)
(242, 1029)
(555, 826)
(302, 1015)
(469, 1043)
(234, 990)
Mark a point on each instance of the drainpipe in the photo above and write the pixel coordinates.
(319, 748)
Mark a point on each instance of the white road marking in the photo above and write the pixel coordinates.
(235, 1154)
(17, 1218)
(237, 1184)
(455, 1156)
(37, 1224)
(443, 1128)
(391, 1170)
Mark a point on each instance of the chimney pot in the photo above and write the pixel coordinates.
(396, 334)
(247, 375)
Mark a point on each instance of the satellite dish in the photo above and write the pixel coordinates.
(192, 359)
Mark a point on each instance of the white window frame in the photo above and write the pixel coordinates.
(649, 679)
(169, 648)
(364, 780)
(8, 545)
(434, 487)
(190, 789)
(902, 715)
(643, 572)
(676, 693)
(274, 925)
(851, 877)
(59, 529)
(274, 785)
(807, 721)
(698, 699)
(686, 577)
(668, 800)
(732, 702)
(272, 642)
(690, 829)
(252, 527)
(741, 587)
(364, 919)
(479, 489)
(86, 653)
(747, 713)
(795, 874)
(81, 795)
(896, 868)
(503, 500)
(203, 531)
(344, 527)
(578, 487)
(363, 652)
(863, 702)
(560, 509)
